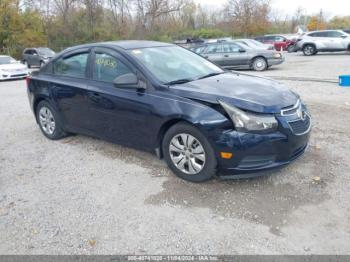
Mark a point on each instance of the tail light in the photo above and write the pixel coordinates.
(28, 80)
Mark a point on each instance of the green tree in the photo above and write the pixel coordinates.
(339, 22)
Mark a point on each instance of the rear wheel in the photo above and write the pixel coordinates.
(259, 64)
(309, 50)
(49, 121)
(188, 153)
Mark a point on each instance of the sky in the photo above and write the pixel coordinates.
(288, 7)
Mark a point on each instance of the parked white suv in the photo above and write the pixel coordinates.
(323, 41)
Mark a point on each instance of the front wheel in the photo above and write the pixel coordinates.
(259, 64)
(188, 153)
(309, 50)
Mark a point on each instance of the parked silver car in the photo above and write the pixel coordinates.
(36, 56)
(323, 41)
(232, 55)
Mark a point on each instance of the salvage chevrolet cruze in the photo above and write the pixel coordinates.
(160, 97)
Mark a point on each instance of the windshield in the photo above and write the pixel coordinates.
(7, 60)
(172, 63)
(45, 52)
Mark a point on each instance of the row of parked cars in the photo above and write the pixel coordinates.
(263, 52)
(11, 68)
(257, 54)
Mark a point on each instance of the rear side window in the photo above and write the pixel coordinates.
(107, 68)
(279, 39)
(319, 34)
(230, 48)
(73, 66)
(199, 50)
(334, 34)
(269, 38)
(28, 52)
(212, 49)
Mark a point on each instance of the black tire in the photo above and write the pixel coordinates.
(208, 170)
(259, 64)
(309, 50)
(58, 132)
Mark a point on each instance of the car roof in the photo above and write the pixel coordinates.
(126, 44)
(329, 30)
(244, 39)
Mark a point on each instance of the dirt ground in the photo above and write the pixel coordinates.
(81, 195)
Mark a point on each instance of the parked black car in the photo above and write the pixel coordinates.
(163, 98)
(37, 56)
(233, 55)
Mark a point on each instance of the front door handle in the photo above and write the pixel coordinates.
(226, 55)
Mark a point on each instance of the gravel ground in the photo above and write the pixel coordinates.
(81, 195)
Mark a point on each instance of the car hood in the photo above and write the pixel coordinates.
(247, 92)
(13, 66)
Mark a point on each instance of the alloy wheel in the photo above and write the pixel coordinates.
(309, 50)
(47, 121)
(187, 154)
(259, 64)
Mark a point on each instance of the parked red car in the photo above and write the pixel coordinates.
(279, 41)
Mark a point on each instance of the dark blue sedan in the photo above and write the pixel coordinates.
(163, 98)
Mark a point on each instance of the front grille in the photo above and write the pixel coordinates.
(291, 110)
(19, 75)
(256, 161)
(300, 126)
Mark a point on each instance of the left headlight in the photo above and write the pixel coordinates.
(248, 122)
(277, 55)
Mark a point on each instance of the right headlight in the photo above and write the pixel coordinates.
(249, 122)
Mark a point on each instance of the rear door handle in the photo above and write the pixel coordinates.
(226, 55)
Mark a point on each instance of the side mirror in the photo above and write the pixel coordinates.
(241, 50)
(344, 36)
(35, 54)
(128, 80)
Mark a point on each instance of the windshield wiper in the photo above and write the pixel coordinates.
(179, 81)
(210, 75)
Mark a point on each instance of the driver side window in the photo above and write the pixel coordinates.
(107, 68)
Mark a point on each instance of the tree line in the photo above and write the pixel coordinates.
(62, 23)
